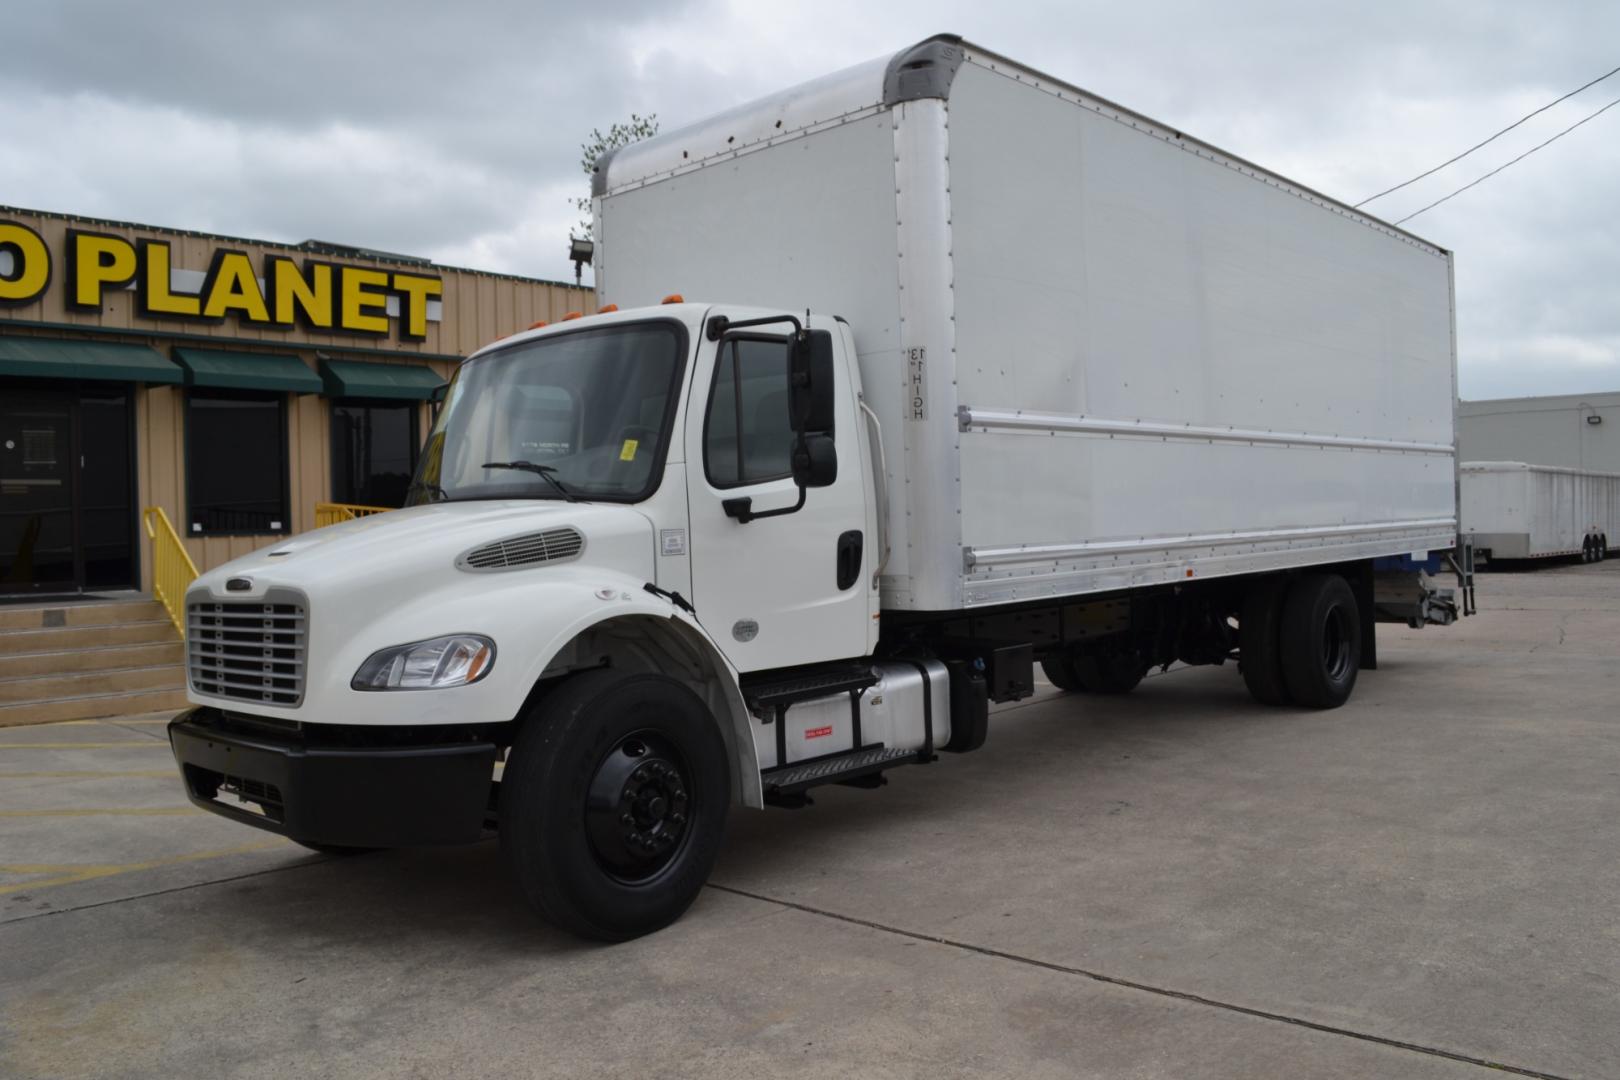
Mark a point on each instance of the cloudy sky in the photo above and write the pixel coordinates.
(452, 130)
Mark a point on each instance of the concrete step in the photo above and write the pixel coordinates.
(22, 665)
(86, 683)
(60, 639)
(80, 613)
(91, 707)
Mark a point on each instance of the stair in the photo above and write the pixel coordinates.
(86, 660)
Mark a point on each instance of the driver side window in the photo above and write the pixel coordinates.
(748, 435)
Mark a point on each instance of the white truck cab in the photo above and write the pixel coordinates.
(989, 373)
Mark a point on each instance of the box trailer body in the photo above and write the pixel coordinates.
(973, 372)
(1513, 510)
(1103, 353)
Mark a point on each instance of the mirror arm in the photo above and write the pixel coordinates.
(742, 509)
(719, 326)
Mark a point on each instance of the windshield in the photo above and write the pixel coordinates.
(582, 415)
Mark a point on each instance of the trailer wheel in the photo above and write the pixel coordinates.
(613, 803)
(1061, 673)
(1321, 641)
(1260, 642)
(1110, 673)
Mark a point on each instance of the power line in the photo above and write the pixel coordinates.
(1476, 146)
(1515, 161)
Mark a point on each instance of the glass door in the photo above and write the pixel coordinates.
(67, 513)
(37, 526)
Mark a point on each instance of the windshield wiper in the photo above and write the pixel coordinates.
(545, 472)
(438, 493)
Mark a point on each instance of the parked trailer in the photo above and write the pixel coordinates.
(979, 370)
(1517, 511)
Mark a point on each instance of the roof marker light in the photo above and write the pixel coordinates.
(673, 298)
(571, 316)
(605, 308)
(541, 325)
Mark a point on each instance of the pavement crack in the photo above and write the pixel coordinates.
(1148, 988)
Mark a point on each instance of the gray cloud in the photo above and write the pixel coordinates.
(453, 130)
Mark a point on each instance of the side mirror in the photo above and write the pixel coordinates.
(815, 461)
(810, 374)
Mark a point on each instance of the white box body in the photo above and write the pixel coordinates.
(1520, 511)
(1103, 354)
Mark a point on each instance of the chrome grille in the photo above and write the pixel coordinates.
(249, 650)
(552, 545)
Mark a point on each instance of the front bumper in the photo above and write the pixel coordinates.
(310, 790)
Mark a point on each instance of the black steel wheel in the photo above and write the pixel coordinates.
(613, 803)
(1321, 641)
(636, 810)
(1260, 642)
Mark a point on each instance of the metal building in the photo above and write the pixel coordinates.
(1575, 431)
(234, 384)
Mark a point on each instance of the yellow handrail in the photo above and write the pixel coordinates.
(327, 513)
(172, 569)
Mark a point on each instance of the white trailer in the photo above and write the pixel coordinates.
(975, 370)
(1512, 510)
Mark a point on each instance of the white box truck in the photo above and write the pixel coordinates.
(975, 371)
(1512, 510)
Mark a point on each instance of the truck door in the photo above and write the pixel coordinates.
(790, 589)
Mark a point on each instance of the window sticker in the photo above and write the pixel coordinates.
(627, 452)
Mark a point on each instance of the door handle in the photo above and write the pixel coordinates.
(849, 558)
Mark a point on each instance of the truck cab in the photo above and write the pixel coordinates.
(677, 500)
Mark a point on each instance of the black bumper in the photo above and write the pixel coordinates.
(353, 796)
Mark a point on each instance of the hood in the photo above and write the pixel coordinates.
(418, 548)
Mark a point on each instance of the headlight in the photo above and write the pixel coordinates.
(428, 665)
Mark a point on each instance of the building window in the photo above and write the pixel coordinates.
(236, 454)
(374, 447)
(749, 435)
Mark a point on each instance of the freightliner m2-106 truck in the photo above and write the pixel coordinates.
(977, 373)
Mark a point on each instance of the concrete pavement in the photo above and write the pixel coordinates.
(1178, 883)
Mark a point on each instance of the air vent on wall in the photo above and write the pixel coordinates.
(552, 545)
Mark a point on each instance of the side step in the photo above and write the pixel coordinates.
(807, 686)
(792, 780)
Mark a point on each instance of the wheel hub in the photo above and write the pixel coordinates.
(637, 808)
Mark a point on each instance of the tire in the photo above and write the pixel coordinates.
(1603, 547)
(1110, 673)
(1060, 672)
(1321, 641)
(1260, 642)
(613, 804)
(336, 849)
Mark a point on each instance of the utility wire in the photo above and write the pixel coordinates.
(1476, 146)
(1515, 161)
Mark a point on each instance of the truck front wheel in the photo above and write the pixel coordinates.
(613, 803)
(1321, 641)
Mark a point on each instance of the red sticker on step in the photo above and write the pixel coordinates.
(817, 732)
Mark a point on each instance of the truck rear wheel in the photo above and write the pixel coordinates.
(1260, 642)
(613, 804)
(1110, 673)
(1060, 672)
(1321, 641)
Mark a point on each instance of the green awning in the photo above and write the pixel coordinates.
(49, 358)
(355, 378)
(248, 371)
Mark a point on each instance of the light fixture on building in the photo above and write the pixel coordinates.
(1594, 418)
(580, 250)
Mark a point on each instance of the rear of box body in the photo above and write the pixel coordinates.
(1103, 354)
